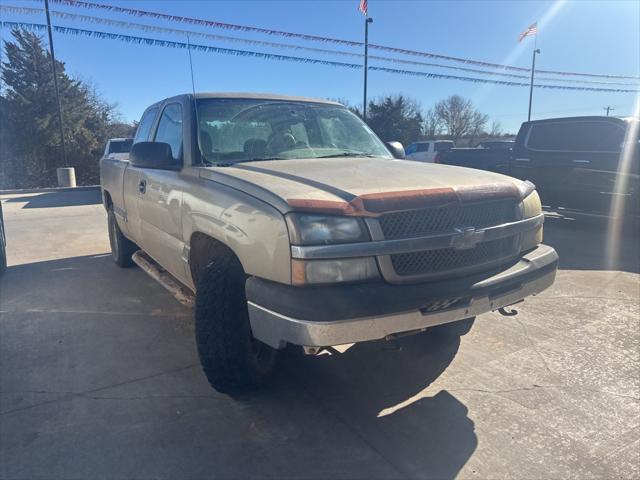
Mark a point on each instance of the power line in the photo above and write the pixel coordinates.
(225, 38)
(317, 38)
(289, 58)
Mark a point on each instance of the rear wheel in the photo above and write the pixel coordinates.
(454, 329)
(231, 358)
(3, 257)
(121, 247)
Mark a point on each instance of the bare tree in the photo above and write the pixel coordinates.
(432, 124)
(496, 129)
(459, 117)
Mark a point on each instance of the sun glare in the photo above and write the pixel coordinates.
(618, 203)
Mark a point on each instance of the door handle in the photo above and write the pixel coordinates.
(522, 159)
(142, 186)
(581, 161)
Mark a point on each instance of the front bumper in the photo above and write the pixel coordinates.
(334, 315)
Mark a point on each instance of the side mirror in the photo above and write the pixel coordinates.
(153, 155)
(396, 149)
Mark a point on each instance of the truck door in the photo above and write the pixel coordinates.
(133, 181)
(524, 162)
(162, 198)
(594, 156)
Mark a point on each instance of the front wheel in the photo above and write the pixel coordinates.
(454, 329)
(231, 358)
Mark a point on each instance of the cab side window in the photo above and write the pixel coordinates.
(423, 147)
(170, 128)
(144, 127)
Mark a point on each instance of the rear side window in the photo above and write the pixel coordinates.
(443, 146)
(120, 146)
(170, 128)
(582, 136)
(144, 127)
(423, 147)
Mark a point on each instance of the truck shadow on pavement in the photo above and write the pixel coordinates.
(377, 389)
(59, 199)
(117, 325)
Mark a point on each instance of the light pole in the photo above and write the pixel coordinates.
(609, 109)
(55, 82)
(533, 69)
(367, 21)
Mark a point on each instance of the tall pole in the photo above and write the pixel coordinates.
(367, 21)
(533, 70)
(55, 82)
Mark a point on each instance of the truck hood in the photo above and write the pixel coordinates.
(366, 186)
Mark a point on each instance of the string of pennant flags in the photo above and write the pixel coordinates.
(316, 38)
(225, 38)
(289, 58)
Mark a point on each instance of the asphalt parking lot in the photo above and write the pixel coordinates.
(99, 376)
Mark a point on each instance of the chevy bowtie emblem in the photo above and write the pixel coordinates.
(467, 237)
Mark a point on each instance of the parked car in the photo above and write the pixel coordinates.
(426, 151)
(575, 162)
(287, 221)
(118, 148)
(497, 144)
(3, 243)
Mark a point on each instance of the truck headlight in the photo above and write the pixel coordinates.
(308, 229)
(317, 272)
(531, 207)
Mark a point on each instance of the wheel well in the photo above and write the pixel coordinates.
(108, 203)
(204, 249)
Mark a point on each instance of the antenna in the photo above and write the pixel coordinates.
(195, 103)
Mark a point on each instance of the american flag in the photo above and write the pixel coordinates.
(364, 7)
(532, 30)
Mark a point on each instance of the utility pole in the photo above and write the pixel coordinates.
(608, 109)
(55, 82)
(533, 69)
(367, 21)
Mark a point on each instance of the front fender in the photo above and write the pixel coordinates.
(254, 230)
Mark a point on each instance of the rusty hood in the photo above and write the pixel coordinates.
(368, 186)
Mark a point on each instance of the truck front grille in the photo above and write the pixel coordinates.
(431, 221)
(449, 259)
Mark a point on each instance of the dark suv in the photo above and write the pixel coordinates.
(583, 163)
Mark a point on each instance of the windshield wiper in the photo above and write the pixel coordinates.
(348, 154)
(257, 159)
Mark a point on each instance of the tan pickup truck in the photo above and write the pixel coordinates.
(287, 221)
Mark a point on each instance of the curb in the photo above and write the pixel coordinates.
(51, 189)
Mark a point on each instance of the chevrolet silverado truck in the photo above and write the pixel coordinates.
(286, 221)
(587, 164)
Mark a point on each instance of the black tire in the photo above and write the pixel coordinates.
(3, 241)
(232, 360)
(121, 247)
(3, 258)
(454, 329)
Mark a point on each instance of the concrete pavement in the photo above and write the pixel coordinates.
(99, 376)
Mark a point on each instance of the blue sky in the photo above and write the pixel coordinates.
(581, 36)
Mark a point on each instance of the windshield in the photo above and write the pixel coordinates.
(237, 130)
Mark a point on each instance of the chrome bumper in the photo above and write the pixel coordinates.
(277, 330)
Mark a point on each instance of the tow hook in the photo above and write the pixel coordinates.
(507, 311)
